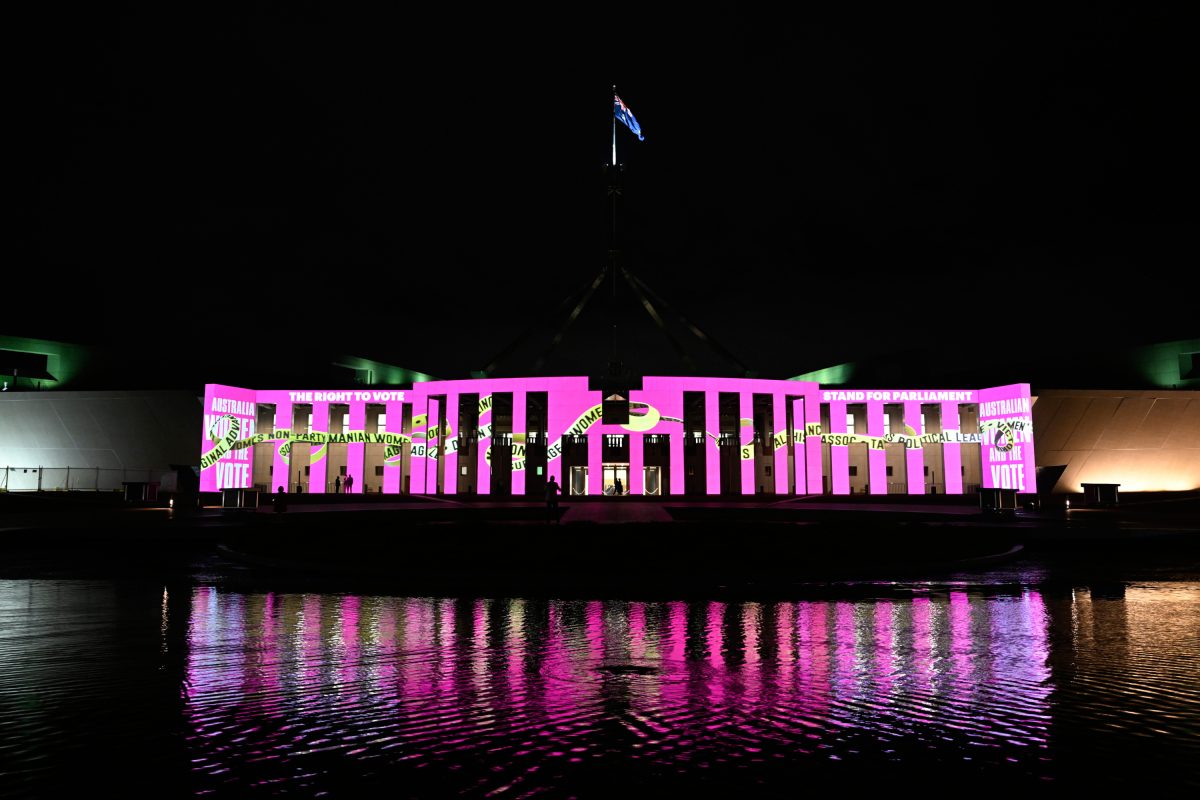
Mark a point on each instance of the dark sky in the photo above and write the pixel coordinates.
(420, 188)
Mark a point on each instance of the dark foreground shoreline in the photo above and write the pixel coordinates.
(704, 549)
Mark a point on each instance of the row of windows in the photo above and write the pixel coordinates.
(341, 470)
(854, 471)
(380, 425)
(887, 424)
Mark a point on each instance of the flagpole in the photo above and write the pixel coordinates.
(614, 121)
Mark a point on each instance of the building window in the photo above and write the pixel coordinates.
(922, 424)
(309, 424)
(382, 423)
(345, 422)
(849, 423)
(927, 471)
(853, 471)
(379, 472)
(342, 470)
(306, 472)
(887, 424)
(889, 472)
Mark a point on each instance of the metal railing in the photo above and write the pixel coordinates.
(71, 479)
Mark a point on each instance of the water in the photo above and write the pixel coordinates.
(194, 689)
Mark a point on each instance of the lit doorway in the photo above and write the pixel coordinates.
(652, 480)
(612, 474)
(579, 480)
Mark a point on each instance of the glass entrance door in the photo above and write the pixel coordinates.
(653, 480)
(614, 473)
(579, 480)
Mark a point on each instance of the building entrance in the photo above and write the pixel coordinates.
(613, 473)
(579, 480)
(652, 480)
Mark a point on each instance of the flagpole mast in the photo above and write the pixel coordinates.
(614, 121)
(612, 252)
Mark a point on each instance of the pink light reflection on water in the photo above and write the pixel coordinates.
(534, 679)
(346, 649)
(962, 661)
(751, 672)
(637, 631)
(922, 678)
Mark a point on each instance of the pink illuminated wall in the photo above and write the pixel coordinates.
(656, 409)
(1006, 421)
(234, 469)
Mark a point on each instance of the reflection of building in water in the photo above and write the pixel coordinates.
(523, 679)
(655, 436)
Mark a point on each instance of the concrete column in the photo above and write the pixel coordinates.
(839, 455)
(914, 457)
(812, 444)
(483, 470)
(559, 415)
(433, 441)
(450, 474)
(393, 475)
(279, 467)
(745, 437)
(779, 426)
(951, 451)
(418, 465)
(595, 444)
(712, 425)
(799, 461)
(636, 463)
(876, 459)
(675, 445)
(520, 405)
(318, 470)
(356, 452)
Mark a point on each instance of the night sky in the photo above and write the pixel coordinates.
(421, 188)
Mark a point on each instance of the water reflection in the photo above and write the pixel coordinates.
(182, 690)
(522, 695)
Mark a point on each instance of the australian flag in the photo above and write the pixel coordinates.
(626, 116)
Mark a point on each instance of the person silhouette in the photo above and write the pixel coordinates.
(337, 484)
(349, 483)
(552, 490)
(620, 490)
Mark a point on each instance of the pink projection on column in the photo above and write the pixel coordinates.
(450, 469)
(779, 425)
(914, 457)
(812, 444)
(744, 436)
(392, 475)
(839, 455)
(520, 404)
(487, 421)
(636, 465)
(317, 469)
(356, 451)
(712, 450)
(799, 458)
(876, 459)
(433, 446)
(951, 451)
(595, 442)
(280, 474)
